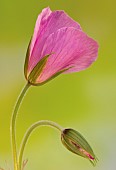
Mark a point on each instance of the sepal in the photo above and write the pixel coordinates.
(27, 60)
(37, 70)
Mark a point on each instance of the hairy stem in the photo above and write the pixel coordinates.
(13, 125)
(28, 133)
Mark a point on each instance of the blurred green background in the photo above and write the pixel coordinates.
(85, 101)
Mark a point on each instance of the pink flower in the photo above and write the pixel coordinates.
(58, 46)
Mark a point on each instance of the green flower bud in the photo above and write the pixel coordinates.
(77, 144)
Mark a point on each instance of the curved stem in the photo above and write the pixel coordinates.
(13, 124)
(28, 133)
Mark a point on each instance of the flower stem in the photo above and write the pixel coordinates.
(28, 133)
(13, 124)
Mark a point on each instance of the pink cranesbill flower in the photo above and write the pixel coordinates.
(58, 46)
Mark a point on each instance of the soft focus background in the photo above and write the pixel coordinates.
(85, 101)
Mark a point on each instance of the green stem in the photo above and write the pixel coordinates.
(28, 133)
(13, 124)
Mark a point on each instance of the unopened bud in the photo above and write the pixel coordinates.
(77, 144)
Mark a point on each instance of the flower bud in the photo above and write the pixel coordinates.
(77, 144)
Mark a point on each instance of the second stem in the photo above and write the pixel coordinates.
(28, 133)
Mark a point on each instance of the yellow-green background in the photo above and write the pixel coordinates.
(85, 101)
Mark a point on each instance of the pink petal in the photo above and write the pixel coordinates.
(48, 22)
(70, 47)
(41, 20)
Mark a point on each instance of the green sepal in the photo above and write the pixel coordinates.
(27, 60)
(37, 70)
(54, 76)
(77, 144)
